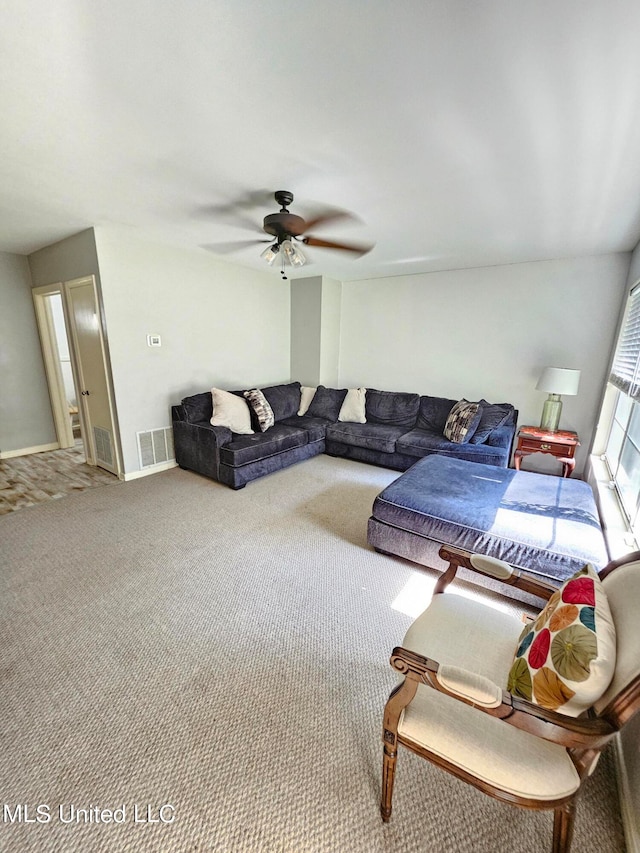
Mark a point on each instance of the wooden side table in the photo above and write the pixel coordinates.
(561, 444)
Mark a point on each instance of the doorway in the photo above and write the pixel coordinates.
(72, 335)
(54, 307)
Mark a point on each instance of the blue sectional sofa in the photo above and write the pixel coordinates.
(399, 429)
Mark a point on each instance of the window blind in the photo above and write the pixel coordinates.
(625, 371)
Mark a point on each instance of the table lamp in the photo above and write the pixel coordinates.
(556, 381)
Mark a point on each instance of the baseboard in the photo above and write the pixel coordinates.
(26, 451)
(152, 469)
(629, 820)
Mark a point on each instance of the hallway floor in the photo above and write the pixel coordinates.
(28, 480)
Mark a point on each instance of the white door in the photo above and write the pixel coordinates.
(94, 398)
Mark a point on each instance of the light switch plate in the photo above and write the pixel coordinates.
(154, 341)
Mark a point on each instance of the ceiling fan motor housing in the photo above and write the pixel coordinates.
(283, 225)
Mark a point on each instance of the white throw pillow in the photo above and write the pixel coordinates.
(306, 396)
(230, 411)
(352, 409)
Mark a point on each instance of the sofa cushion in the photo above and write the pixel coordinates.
(327, 403)
(260, 445)
(433, 413)
(420, 442)
(198, 408)
(283, 399)
(316, 427)
(231, 411)
(395, 408)
(261, 409)
(353, 408)
(381, 437)
(492, 416)
(462, 421)
(565, 660)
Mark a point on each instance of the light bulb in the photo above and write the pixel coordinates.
(270, 253)
(293, 254)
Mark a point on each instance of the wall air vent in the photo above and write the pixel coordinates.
(104, 445)
(155, 446)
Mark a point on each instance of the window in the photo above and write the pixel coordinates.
(622, 452)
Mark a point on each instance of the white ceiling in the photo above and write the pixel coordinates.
(462, 132)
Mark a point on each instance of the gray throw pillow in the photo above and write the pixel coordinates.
(283, 399)
(394, 408)
(327, 403)
(198, 408)
(493, 415)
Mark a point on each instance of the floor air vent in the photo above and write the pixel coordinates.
(104, 446)
(155, 446)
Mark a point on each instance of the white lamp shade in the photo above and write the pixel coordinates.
(559, 380)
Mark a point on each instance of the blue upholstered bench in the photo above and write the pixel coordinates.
(547, 526)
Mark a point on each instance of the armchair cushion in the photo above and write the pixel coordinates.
(487, 748)
(463, 634)
(565, 660)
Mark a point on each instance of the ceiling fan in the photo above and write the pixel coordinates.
(289, 231)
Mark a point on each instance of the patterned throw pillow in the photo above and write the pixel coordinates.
(462, 422)
(261, 408)
(566, 658)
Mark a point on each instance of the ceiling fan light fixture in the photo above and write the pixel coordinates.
(270, 253)
(292, 254)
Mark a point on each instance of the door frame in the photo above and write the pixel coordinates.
(56, 389)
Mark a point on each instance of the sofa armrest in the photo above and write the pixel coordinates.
(198, 446)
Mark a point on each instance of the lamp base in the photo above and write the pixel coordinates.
(551, 413)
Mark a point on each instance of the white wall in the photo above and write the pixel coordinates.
(74, 257)
(488, 332)
(25, 408)
(220, 324)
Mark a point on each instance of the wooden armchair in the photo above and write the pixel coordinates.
(453, 709)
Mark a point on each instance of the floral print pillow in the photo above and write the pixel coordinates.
(565, 659)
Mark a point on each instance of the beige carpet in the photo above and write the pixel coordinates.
(170, 641)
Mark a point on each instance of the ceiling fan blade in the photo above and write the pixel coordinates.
(328, 215)
(245, 201)
(233, 246)
(344, 247)
(231, 217)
